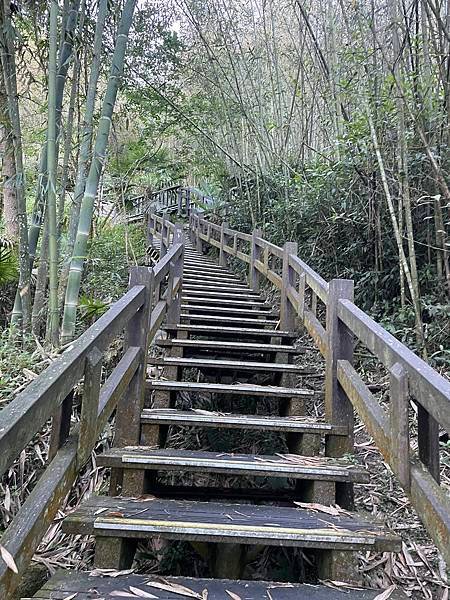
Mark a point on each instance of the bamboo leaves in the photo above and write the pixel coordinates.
(98, 159)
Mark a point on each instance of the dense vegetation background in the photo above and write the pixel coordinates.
(322, 122)
(326, 123)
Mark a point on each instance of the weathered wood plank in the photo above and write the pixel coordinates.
(224, 345)
(240, 331)
(427, 387)
(257, 311)
(199, 418)
(293, 466)
(237, 388)
(25, 532)
(242, 523)
(116, 385)
(64, 584)
(29, 411)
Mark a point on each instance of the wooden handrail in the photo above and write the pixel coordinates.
(154, 294)
(412, 379)
(176, 196)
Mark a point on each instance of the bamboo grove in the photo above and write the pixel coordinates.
(322, 122)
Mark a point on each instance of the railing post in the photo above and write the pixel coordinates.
(89, 405)
(191, 227)
(130, 406)
(338, 407)
(399, 425)
(188, 201)
(179, 201)
(199, 242)
(254, 276)
(163, 249)
(60, 425)
(287, 311)
(428, 442)
(174, 310)
(150, 226)
(223, 242)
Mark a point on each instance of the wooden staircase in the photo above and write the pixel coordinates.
(227, 347)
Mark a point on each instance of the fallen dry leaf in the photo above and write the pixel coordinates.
(109, 572)
(141, 593)
(233, 595)
(386, 594)
(175, 588)
(329, 510)
(8, 559)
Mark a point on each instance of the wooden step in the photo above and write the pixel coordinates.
(204, 293)
(198, 264)
(196, 259)
(223, 302)
(240, 389)
(219, 319)
(219, 345)
(211, 287)
(204, 418)
(235, 365)
(316, 468)
(149, 517)
(240, 331)
(88, 585)
(202, 278)
(195, 267)
(264, 312)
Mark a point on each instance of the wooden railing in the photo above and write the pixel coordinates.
(172, 198)
(336, 324)
(153, 295)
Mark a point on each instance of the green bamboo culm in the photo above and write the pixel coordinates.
(53, 317)
(69, 22)
(86, 141)
(98, 160)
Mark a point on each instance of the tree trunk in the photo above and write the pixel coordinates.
(101, 142)
(21, 310)
(8, 168)
(86, 142)
(69, 25)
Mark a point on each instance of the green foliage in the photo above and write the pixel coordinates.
(111, 253)
(18, 364)
(8, 264)
(92, 308)
(340, 221)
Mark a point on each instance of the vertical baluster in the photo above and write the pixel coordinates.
(428, 441)
(188, 201)
(179, 202)
(89, 405)
(254, 276)
(223, 242)
(314, 303)
(173, 313)
(130, 406)
(338, 407)
(60, 425)
(163, 250)
(399, 425)
(301, 293)
(287, 310)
